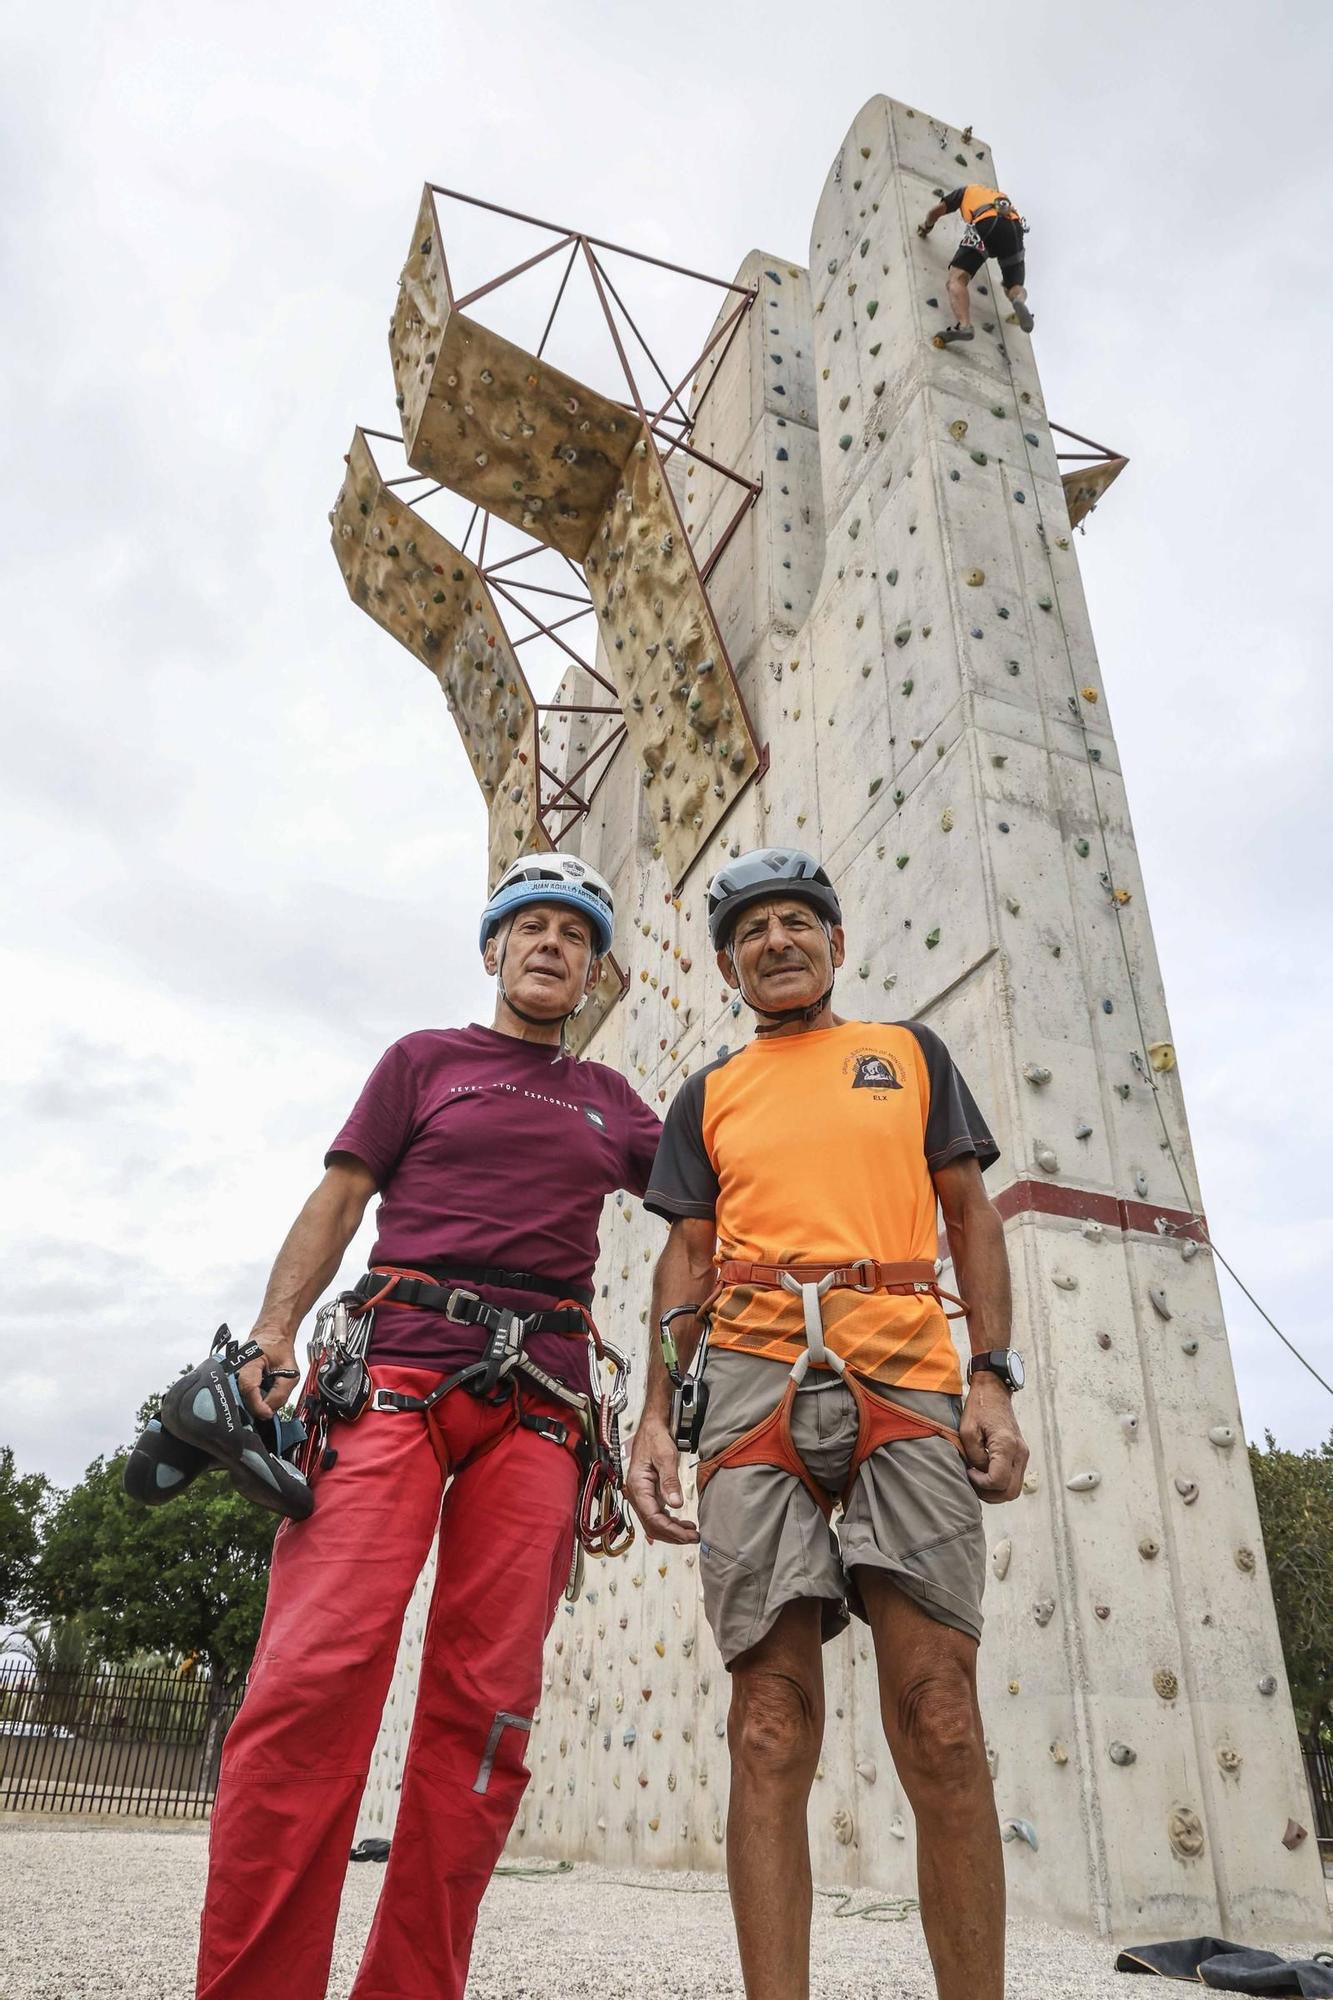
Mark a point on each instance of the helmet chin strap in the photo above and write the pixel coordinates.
(779, 1016)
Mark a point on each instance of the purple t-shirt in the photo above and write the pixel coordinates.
(491, 1151)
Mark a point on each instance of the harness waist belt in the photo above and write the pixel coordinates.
(451, 1272)
(865, 1275)
(454, 1303)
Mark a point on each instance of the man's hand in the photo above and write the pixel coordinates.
(652, 1484)
(924, 228)
(277, 1354)
(992, 1442)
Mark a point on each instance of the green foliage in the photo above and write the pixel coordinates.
(1295, 1495)
(23, 1500)
(186, 1578)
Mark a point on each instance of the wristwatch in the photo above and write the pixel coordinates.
(1006, 1362)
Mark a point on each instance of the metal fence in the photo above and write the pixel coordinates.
(1319, 1773)
(106, 1740)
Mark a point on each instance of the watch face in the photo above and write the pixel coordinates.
(1015, 1361)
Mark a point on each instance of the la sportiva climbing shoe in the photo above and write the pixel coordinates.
(162, 1465)
(953, 333)
(207, 1410)
(1023, 315)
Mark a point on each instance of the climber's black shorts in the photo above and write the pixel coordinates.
(997, 236)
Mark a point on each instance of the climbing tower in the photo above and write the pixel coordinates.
(883, 652)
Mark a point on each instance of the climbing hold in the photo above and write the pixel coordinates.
(1036, 1073)
(866, 1771)
(843, 401)
(1166, 1683)
(1012, 904)
(902, 860)
(975, 577)
(1189, 1250)
(1189, 1345)
(872, 307)
(1102, 1611)
(1020, 1829)
(1001, 1556)
(1083, 1482)
(1083, 1131)
(1046, 1158)
(958, 428)
(946, 820)
(1268, 1684)
(845, 441)
(1120, 1753)
(1103, 1341)
(1140, 1181)
(1162, 1056)
(1044, 602)
(1082, 848)
(903, 633)
(1188, 1489)
(875, 784)
(1185, 1833)
(1014, 1687)
(1159, 1305)
(890, 576)
(979, 458)
(1059, 1755)
(908, 685)
(1066, 1281)
(1229, 1759)
(932, 939)
(1149, 1549)
(844, 1827)
(1295, 1833)
(1044, 1610)
(1223, 1436)
(1129, 1423)
(1245, 1560)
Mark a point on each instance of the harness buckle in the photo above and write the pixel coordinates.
(861, 1276)
(460, 1297)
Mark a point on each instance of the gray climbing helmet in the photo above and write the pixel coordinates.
(759, 876)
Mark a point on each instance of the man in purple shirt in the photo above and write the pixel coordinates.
(492, 1153)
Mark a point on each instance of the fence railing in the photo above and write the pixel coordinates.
(1319, 1772)
(110, 1740)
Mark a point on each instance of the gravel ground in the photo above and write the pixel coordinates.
(112, 1911)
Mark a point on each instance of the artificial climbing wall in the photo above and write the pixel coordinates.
(904, 616)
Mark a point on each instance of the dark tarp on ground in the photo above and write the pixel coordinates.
(1231, 1968)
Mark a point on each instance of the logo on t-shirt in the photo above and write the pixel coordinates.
(594, 1118)
(875, 1072)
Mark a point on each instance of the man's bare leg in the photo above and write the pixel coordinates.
(960, 295)
(774, 1731)
(928, 1700)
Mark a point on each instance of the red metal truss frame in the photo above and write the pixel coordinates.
(561, 803)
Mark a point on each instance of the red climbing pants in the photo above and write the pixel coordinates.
(296, 1757)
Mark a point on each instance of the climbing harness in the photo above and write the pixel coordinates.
(341, 1386)
(879, 1421)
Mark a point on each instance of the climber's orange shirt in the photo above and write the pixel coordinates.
(973, 200)
(819, 1149)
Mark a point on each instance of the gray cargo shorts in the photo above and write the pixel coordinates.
(764, 1542)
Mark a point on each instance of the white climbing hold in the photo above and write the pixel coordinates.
(1020, 1829)
(1001, 1555)
(1036, 1074)
(844, 1827)
(1066, 1281)
(1059, 1755)
(1044, 1610)
(1189, 1250)
(1223, 1436)
(1120, 1753)
(1129, 1423)
(1140, 1182)
(1268, 1684)
(1159, 1305)
(1046, 1158)
(1188, 1489)
(1083, 1482)
(865, 1769)
(896, 1827)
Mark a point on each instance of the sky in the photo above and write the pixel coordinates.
(244, 851)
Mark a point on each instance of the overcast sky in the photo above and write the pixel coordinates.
(226, 792)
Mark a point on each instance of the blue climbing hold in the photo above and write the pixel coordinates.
(783, 453)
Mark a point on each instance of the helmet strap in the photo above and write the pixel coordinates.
(771, 1018)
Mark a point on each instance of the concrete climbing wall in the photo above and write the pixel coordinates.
(904, 616)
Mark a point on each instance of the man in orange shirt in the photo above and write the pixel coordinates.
(801, 1176)
(992, 227)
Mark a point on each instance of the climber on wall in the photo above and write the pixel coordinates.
(801, 1176)
(992, 227)
(491, 1152)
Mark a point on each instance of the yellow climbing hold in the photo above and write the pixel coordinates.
(975, 577)
(1162, 1056)
(1088, 694)
(958, 428)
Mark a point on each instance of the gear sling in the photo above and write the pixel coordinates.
(769, 1442)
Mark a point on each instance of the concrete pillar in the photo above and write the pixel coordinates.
(905, 618)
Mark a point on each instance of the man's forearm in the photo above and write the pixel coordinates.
(684, 1276)
(981, 1268)
(307, 1260)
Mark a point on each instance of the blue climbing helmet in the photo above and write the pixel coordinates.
(553, 878)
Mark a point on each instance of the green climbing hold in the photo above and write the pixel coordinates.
(1045, 603)
(979, 458)
(872, 307)
(891, 576)
(908, 685)
(903, 633)
(998, 410)
(1013, 666)
(932, 939)
(438, 597)
(865, 245)
(875, 349)
(392, 549)
(878, 388)
(458, 576)
(903, 860)
(875, 784)
(899, 795)
(843, 401)
(1030, 437)
(1082, 847)
(845, 441)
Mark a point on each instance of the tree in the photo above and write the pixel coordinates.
(185, 1578)
(1295, 1495)
(23, 1499)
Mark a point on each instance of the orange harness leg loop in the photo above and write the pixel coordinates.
(770, 1441)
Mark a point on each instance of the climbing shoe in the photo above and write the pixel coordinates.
(952, 333)
(161, 1465)
(1023, 316)
(207, 1410)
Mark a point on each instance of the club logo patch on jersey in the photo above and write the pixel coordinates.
(876, 1072)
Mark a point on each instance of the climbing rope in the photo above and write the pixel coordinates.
(1194, 1206)
(880, 1910)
